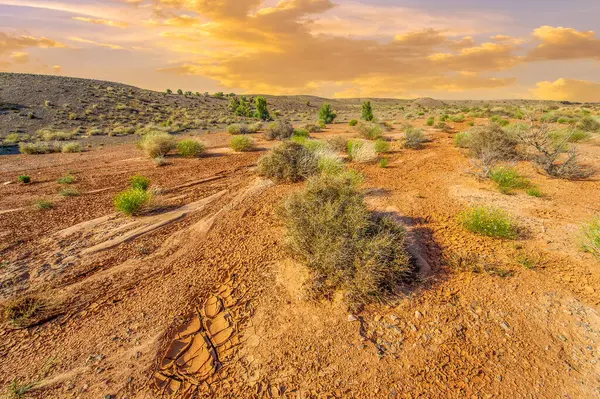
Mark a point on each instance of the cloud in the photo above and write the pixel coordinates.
(94, 43)
(20, 57)
(106, 22)
(558, 43)
(568, 89)
(13, 43)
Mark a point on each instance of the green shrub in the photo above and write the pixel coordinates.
(157, 144)
(47, 134)
(66, 179)
(570, 135)
(242, 144)
(414, 138)
(139, 182)
(326, 114)
(488, 221)
(43, 204)
(382, 146)
(457, 118)
(72, 147)
(131, 201)
(462, 139)
(589, 124)
(344, 245)
(367, 111)
(384, 163)
(255, 127)
(430, 121)
(353, 122)
(508, 179)
(12, 138)
(362, 151)
(369, 130)
(279, 130)
(301, 133)
(535, 192)
(262, 111)
(39, 148)
(288, 162)
(24, 179)
(190, 148)
(312, 128)
(237, 128)
(591, 237)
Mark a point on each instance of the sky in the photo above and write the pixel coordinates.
(459, 49)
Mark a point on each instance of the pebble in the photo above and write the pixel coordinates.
(351, 317)
(6, 183)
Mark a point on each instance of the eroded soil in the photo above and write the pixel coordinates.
(198, 298)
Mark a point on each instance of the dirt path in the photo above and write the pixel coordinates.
(203, 295)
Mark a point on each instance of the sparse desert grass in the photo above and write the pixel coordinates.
(489, 222)
(288, 162)
(414, 138)
(190, 148)
(362, 151)
(508, 179)
(18, 390)
(66, 179)
(331, 230)
(43, 204)
(39, 148)
(69, 192)
(591, 237)
(369, 130)
(242, 143)
(157, 144)
(139, 182)
(382, 146)
(25, 179)
(21, 311)
(131, 201)
(570, 135)
(71, 147)
(279, 130)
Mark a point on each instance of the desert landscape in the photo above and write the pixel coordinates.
(137, 266)
(303, 199)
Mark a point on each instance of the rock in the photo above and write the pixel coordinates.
(351, 317)
(418, 314)
(6, 183)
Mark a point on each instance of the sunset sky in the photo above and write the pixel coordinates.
(460, 49)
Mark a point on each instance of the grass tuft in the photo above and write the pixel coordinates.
(591, 237)
(190, 148)
(139, 182)
(242, 143)
(489, 222)
(508, 179)
(131, 201)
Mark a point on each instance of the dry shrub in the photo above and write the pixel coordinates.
(23, 311)
(39, 148)
(279, 130)
(489, 145)
(338, 143)
(414, 138)
(362, 151)
(289, 162)
(554, 156)
(157, 144)
(72, 147)
(331, 230)
(369, 130)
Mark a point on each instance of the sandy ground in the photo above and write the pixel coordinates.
(198, 297)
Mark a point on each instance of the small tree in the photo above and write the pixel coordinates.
(326, 114)
(262, 112)
(367, 111)
(179, 91)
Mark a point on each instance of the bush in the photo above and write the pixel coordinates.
(43, 204)
(24, 179)
(570, 135)
(330, 230)
(414, 138)
(301, 133)
(66, 179)
(72, 147)
(367, 111)
(131, 201)
(430, 121)
(382, 146)
(535, 192)
(362, 151)
(237, 128)
(190, 148)
(157, 144)
(353, 122)
(279, 130)
(69, 192)
(139, 182)
(326, 114)
(39, 148)
(369, 130)
(12, 138)
(591, 237)
(508, 179)
(54, 135)
(338, 143)
(288, 162)
(589, 124)
(21, 311)
(312, 128)
(242, 144)
(384, 163)
(462, 139)
(254, 127)
(489, 222)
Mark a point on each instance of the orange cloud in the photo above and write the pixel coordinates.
(94, 43)
(569, 90)
(12, 43)
(20, 57)
(106, 22)
(565, 44)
